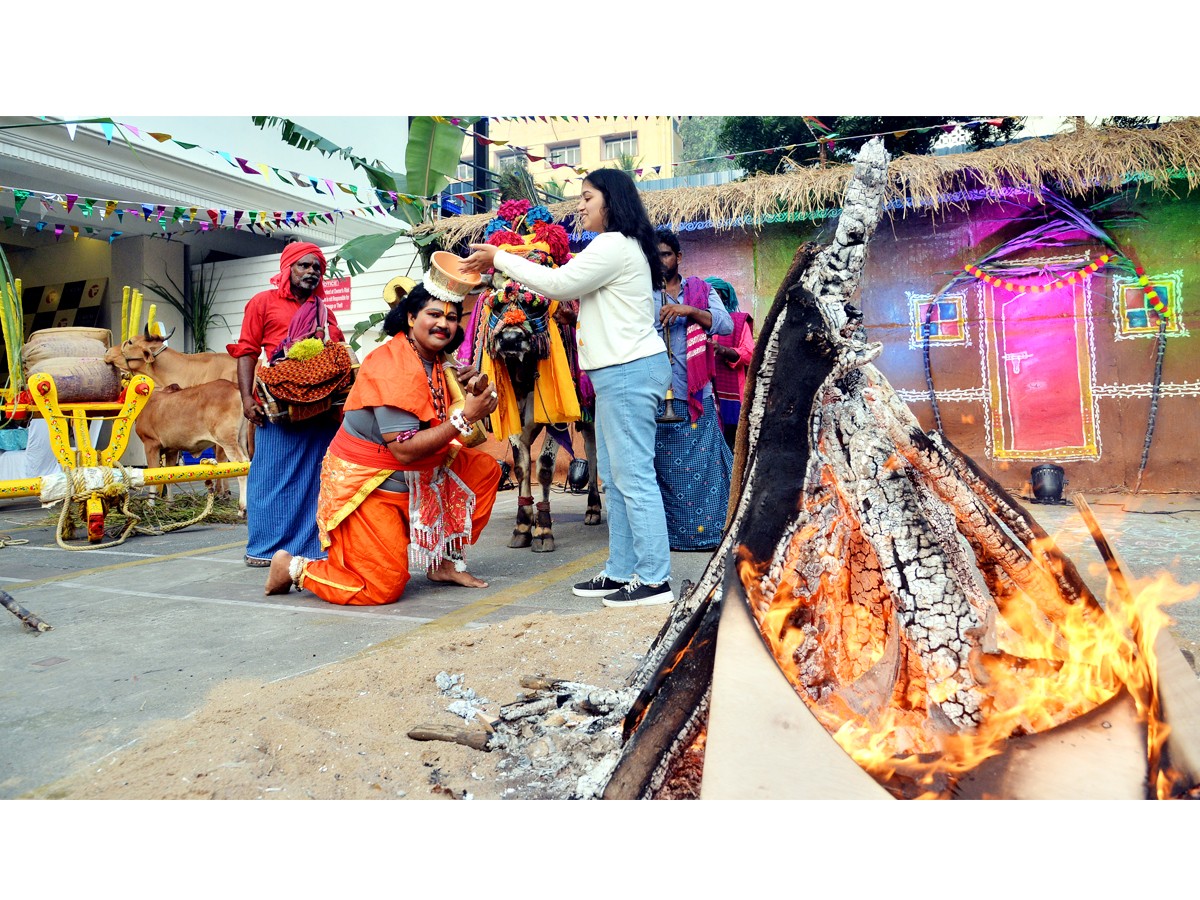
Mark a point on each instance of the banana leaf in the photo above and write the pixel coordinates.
(432, 155)
(360, 253)
(12, 323)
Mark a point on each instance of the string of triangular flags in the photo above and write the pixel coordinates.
(245, 166)
(825, 136)
(166, 215)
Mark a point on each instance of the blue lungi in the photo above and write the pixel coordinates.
(694, 466)
(282, 488)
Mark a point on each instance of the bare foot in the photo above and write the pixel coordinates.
(445, 573)
(279, 579)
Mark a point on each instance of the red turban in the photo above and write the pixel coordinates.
(293, 253)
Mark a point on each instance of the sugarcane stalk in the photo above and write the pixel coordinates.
(30, 620)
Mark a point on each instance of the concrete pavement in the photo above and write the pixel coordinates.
(143, 631)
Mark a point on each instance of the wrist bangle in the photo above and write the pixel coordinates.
(459, 421)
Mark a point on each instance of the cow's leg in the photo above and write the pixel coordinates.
(543, 531)
(154, 455)
(170, 459)
(220, 488)
(592, 516)
(522, 535)
(235, 452)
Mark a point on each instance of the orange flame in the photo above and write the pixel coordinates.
(1049, 662)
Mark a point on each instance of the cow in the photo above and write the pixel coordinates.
(191, 420)
(148, 354)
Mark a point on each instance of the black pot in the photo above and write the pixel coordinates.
(1047, 481)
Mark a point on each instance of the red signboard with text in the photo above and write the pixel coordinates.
(337, 294)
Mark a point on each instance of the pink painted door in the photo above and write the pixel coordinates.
(1039, 365)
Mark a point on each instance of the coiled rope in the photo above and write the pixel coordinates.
(80, 493)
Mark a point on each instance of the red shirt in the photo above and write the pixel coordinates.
(265, 324)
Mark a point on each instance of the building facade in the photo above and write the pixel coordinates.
(561, 150)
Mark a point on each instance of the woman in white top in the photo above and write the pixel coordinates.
(614, 278)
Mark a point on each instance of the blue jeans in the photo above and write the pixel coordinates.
(627, 396)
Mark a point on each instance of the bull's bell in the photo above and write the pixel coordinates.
(669, 416)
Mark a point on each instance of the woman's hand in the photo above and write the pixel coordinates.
(481, 259)
(727, 354)
(478, 406)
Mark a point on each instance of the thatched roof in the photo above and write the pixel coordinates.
(1072, 163)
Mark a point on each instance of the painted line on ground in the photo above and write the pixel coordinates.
(325, 609)
(115, 567)
(473, 612)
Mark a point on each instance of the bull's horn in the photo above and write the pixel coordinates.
(154, 337)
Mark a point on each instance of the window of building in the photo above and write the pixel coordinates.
(465, 170)
(567, 154)
(621, 145)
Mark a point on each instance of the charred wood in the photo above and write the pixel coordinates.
(668, 716)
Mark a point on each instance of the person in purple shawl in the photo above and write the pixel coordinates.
(692, 462)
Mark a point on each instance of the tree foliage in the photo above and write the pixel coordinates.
(702, 141)
(901, 134)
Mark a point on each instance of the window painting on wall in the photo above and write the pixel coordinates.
(943, 315)
(1137, 317)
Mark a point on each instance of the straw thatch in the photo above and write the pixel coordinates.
(1072, 163)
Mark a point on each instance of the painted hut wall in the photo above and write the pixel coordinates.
(919, 253)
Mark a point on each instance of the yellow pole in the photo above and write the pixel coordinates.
(150, 325)
(124, 314)
(20, 487)
(32, 487)
(135, 314)
(198, 472)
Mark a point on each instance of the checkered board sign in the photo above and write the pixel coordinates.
(78, 304)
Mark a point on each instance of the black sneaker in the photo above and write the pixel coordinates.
(638, 594)
(599, 586)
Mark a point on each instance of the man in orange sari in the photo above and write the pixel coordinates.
(397, 486)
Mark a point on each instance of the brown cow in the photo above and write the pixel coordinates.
(149, 355)
(192, 419)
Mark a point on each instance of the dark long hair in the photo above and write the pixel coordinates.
(626, 215)
(396, 321)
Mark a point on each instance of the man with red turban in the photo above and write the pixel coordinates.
(285, 473)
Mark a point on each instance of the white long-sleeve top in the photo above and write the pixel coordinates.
(611, 278)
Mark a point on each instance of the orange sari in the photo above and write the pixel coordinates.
(373, 536)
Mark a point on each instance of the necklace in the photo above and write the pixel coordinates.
(435, 390)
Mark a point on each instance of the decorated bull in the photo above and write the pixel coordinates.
(525, 343)
(148, 354)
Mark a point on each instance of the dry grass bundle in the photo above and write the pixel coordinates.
(185, 503)
(1072, 163)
